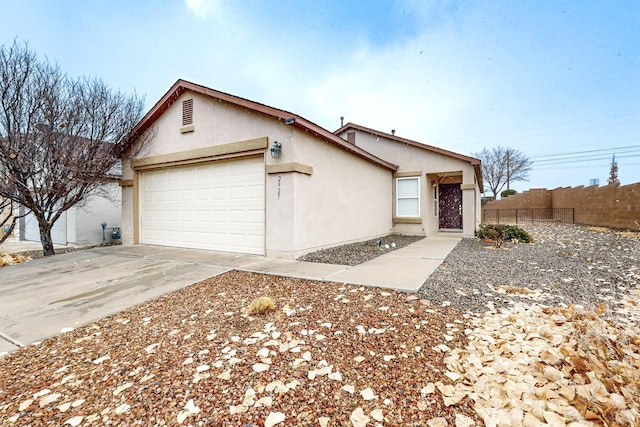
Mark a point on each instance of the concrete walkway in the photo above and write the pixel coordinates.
(41, 297)
(404, 269)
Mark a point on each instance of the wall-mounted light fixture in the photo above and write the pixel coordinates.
(434, 184)
(290, 121)
(276, 149)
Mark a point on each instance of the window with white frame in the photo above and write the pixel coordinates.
(408, 197)
(435, 201)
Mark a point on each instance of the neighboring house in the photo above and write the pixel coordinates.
(80, 225)
(225, 173)
(6, 215)
(434, 189)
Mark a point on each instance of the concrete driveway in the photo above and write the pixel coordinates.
(41, 297)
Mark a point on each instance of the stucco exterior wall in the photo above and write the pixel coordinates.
(411, 158)
(215, 123)
(344, 198)
(127, 215)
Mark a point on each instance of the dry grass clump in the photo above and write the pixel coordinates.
(598, 228)
(261, 305)
(629, 233)
(10, 259)
(623, 233)
(517, 290)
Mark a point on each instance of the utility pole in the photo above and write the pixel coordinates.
(508, 171)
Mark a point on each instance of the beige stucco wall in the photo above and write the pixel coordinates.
(409, 159)
(346, 199)
(303, 211)
(127, 215)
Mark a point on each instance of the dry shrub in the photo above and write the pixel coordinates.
(516, 290)
(597, 228)
(629, 233)
(261, 305)
(10, 259)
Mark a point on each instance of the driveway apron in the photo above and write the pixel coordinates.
(40, 298)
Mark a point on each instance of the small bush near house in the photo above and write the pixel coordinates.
(500, 233)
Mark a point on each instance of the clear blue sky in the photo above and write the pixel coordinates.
(544, 77)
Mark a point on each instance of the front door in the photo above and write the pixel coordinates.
(450, 206)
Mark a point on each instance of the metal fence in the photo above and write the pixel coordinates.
(528, 216)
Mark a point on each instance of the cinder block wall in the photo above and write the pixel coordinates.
(616, 206)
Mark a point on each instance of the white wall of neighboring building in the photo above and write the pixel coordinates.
(80, 225)
(85, 222)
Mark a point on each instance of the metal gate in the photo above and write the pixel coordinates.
(528, 216)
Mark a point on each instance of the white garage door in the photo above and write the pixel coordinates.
(217, 206)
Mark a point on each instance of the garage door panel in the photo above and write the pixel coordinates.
(217, 206)
(255, 217)
(203, 217)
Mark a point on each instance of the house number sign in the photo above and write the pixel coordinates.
(279, 185)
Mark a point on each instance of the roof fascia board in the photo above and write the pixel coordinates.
(391, 137)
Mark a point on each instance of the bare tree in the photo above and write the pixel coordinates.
(60, 138)
(8, 218)
(501, 166)
(613, 172)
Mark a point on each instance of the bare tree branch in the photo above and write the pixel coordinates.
(503, 165)
(60, 138)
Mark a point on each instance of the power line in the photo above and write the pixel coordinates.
(588, 157)
(586, 151)
(581, 160)
(559, 167)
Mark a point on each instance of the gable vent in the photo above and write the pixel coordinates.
(351, 138)
(187, 112)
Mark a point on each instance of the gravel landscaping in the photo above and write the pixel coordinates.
(495, 340)
(328, 355)
(357, 253)
(567, 264)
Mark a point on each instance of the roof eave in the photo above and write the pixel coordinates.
(476, 163)
(182, 86)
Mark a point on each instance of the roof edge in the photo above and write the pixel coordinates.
(181, 86)
(476, 163)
